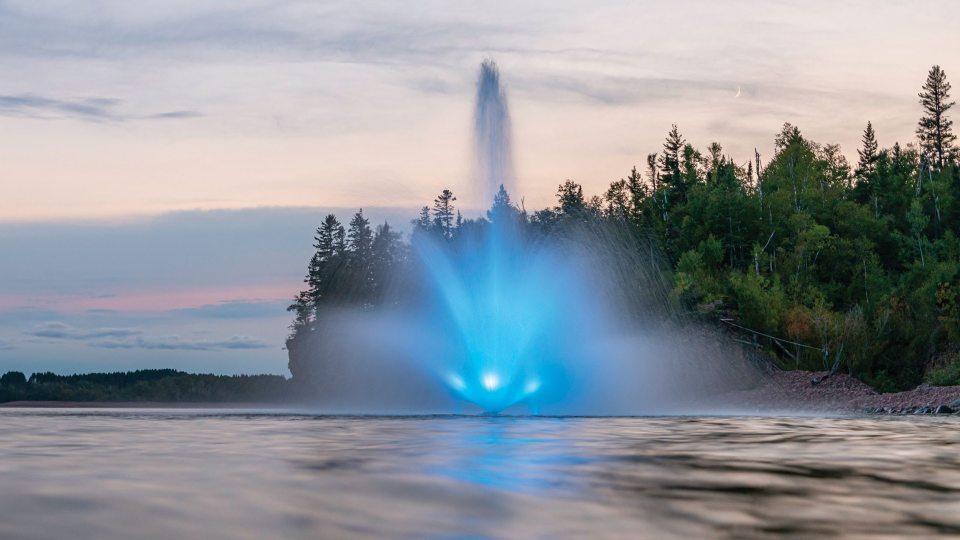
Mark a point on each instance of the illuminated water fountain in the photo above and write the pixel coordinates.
(507, 316)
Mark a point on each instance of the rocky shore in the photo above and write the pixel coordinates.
(805, 391)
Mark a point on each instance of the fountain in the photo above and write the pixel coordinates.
(508, 317)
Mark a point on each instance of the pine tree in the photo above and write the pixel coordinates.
(339, 241)
(502, 206)
(788, 135)
(302, 309)
(571, 198)
(868, 156)
(360, 238)
(936, 130)
(386, 246)
(444, 212)
(717, 160)
(617, 199)
(329, 238)
(422, 224)
(324, 264)
(670, 159)
(653, 174)
(386, 255)
(638, 191)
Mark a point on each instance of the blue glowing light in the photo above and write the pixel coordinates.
(505, 305)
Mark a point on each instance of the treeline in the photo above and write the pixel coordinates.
(153, 385)
(852, 267)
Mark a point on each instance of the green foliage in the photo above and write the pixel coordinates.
(935, 130)
(858, 266)
(711, 252)
(153, 385)
(13, 379)
(760, 301)
(882, 382)
(948, 375)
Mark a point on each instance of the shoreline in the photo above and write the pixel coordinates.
(784, 390)
(841, 393)
(137, 405)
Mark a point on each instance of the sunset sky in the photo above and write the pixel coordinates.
(163, 164)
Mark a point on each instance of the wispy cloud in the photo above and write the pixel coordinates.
(128, 338)
(175, 343)
(333, 31)
(59, 330)
(176, 114)
(6, 345)
(89, 109)
(31, 105)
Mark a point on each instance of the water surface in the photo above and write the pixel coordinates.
(159, 474)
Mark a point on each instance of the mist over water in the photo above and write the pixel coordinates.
(503, 319)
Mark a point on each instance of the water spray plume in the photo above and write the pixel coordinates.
(492, 133)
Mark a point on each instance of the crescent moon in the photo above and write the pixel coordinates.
(738, 91)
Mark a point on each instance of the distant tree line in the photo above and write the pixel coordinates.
(154, 385)
(858, 265)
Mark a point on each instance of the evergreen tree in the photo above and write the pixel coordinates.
(386, 254)
(422, 224)
(936, 130)
(653, 174)
(13, 378)
(616, 200)
(360, 239)
(717, 160)
(386, 245)
(302, 309)
(637, 191)
(326, 261)
(502, 207)
(571, 198)
(788, 135)
(868, 156)
(444, 213)
(670, 159)
(329, 238)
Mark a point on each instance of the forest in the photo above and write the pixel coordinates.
(820, 263)
(147, 385)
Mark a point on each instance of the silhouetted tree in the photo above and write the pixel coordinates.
(936, 130)
(444, 212)
(161, 385)
(868, 155)
(423, 224)
(502, 207)
(13, 379)
(388, 253)
(669, 165)
(330, 238)
(617, 199)
(360, 240)
(326, 263)
(571, 198)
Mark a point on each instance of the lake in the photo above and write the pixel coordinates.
(208, 474)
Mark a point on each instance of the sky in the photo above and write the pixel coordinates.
(163, 164)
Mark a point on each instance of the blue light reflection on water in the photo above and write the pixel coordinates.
(499, 456)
